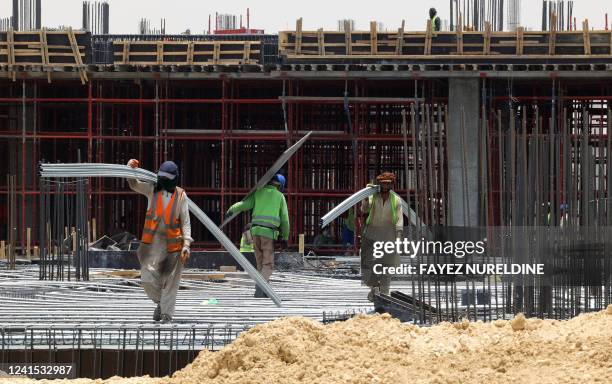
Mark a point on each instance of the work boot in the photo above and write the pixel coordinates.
(259, 294)
(373, 292)
(165, 319)
(157, 313)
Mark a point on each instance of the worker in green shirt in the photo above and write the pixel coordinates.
(435, 20)
(269, 219)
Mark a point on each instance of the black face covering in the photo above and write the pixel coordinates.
(165, 184)
(385, 187)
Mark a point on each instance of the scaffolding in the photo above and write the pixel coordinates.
(225, 133)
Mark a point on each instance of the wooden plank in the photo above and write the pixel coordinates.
(400, 39)
(204, 277)
(298, 36)
(44, 52)
(126, 53)
(77, 55)
(586, 38)
(471, 55)
(486, 47)
(52, 54)
(190, 53)
(11, 56)
(373, 38)
(216, 52)
(160, 52)
(348, 38)
(247, 52)
(552, 35)
(427, 43)
(519, 40)
(460, 36)
(321, 41)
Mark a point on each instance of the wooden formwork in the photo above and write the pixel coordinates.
(401, 44)
(187, 52)
(44, 48)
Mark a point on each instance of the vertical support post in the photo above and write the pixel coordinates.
(216, 52)
(23, 163)
(246, 53)
(94, 233)
(463, 151)
(321, 41)
(348, 38)
(486, 47)
(28, 243)
(519, 40)
(459, 35)
(298, 36)
(156, 159)
(223, 149)
(427, 43)
(160, 52)
(89, 123)
(586, 37)
(190, 46)
(552, 37)
(399, 49)
(125, 57)
(301, 244)
(373, 38)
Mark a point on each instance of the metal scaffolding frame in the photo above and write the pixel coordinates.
(225, 133)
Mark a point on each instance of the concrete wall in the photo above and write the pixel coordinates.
(463, 95)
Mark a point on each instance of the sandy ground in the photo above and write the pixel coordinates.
(379, 349)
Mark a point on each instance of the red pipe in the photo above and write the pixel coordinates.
(223, 123)
(89, 121)
(23, 177)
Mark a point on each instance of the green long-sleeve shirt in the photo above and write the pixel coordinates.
(269, 214)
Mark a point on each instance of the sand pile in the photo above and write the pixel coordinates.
(379, 349)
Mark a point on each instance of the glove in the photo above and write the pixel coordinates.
(228, 214)
(133, 163)
(370, 185)
(185, 253)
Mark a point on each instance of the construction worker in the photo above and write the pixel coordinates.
(384, 222)
(246, 241)
(166, 238)
(269, 219)
(435, 20)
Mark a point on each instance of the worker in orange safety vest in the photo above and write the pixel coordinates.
(166, 238)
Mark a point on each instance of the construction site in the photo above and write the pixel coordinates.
(493, 133)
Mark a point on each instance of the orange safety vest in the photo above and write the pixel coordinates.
(170, 216)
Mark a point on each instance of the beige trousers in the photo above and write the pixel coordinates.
(264, 255)
(160, 271)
